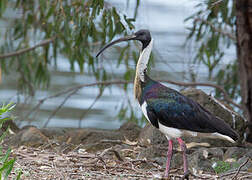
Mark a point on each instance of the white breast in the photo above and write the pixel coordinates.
(143, 107)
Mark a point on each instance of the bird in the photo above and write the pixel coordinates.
(174, 114)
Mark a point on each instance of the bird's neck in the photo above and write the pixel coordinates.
(141, 69)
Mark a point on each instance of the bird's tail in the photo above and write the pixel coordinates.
(225, 129)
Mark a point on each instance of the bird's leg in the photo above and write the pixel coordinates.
(169, 156)
(183, 149)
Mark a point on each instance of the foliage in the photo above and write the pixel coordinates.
(73, 28)
(221, 167)
(213, 31)
(6, 163)
(74, 31)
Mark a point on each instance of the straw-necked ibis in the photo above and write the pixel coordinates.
(172, 113)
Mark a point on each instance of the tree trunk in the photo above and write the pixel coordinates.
(244, 54)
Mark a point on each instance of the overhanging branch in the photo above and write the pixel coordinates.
(75, 89)
(22, 51)
(228, 34)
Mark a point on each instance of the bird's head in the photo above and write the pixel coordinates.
(142, 35)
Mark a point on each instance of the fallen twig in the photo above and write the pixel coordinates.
(246, 177)
(238, 170)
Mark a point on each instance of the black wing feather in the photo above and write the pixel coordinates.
(172, 109)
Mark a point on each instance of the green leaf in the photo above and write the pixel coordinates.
(9, 168)
(6, 156)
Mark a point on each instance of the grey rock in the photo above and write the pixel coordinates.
(130, 130)
(249, 153)
(151, 152)
(202, 159)
(235, 152)
(176, 162)
(211, 153)
(248, 165)
(150, 135)
(30, 136)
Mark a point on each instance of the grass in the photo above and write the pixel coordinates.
(221, 167)
(6, 163)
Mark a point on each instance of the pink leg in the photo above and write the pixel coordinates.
(183, 149)
(169, 156)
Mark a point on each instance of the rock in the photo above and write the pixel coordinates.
(93, 140)
(244, 161)
(212, 153)
(234, 153)
(11, 124)
(30, 136)
(176, 162)
(130, 130)
(152, 152)
(247, 166)
(90, 136)
(150, 135)
(202, 159)
(52, 132)
(249, 153)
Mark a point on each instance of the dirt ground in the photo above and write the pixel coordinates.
(117, 162)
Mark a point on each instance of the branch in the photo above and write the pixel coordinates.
(238, 170)
(228, 34)
(73, 90)
(22, 51)
(89, 108)
(59, 107)
(216, 2)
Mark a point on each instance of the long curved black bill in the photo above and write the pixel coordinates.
(127, 38)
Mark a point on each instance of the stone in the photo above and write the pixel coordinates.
(246, 163)
(130, 130)
(203, 159)
(212, 153)
(30, 136)
(152, 152)
(176, 162)
(247, 166)
(150, 135)
(234, 152)
(90, 136)
(11, 125)
(249, 153)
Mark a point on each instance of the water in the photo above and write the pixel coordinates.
(165, 20)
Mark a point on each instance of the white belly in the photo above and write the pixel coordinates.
(170, 133)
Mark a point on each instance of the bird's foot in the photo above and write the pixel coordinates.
(186, 175)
